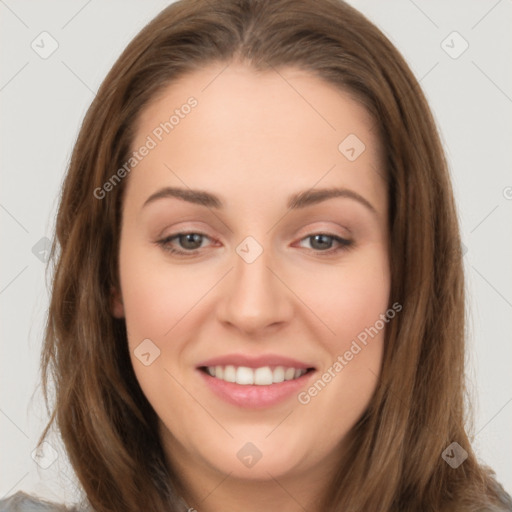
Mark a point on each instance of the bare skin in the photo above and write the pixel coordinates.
(253, 140)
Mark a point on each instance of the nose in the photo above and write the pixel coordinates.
(255, 297)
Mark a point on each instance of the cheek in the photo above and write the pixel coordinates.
(352, 302)
(163, 303)
(156, 299)
(347, 298)
(155, 296)
(363, 297)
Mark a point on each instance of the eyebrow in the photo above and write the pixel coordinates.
(296, 201)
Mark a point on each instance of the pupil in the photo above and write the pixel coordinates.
(320, 237)
(193, 238)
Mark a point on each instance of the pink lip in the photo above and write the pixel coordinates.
(271, 360)
(252, 396)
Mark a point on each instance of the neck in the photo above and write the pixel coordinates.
(224, 493)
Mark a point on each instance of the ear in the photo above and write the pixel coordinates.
(116, 303)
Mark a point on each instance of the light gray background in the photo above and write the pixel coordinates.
(43, 102)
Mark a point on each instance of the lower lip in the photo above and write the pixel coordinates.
(252, 396)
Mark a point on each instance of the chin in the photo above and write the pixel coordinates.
(257, 460)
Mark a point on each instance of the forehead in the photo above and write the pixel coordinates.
(260, 131)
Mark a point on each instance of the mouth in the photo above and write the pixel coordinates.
(260, 376)
(255, 382)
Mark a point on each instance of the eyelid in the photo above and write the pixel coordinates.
(324, 228)
(183, 227)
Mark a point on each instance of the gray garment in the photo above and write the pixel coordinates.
(23, 502)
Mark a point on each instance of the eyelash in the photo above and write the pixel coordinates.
(344, 244)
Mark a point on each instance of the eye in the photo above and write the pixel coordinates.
(190, 241)
(323, 242)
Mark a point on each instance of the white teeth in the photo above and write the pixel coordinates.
(229, 374)
(289, 374)
(279, 374)
(244, 375)
(263, 376)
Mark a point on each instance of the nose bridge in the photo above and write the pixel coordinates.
(255, 297)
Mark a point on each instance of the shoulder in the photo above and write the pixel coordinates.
(504, 499)
(22, 502)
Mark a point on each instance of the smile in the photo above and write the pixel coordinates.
(262, 376)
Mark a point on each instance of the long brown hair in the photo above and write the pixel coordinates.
(109, 428)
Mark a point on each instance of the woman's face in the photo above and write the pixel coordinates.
(274, 279)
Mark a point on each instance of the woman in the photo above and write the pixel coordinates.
(208, 351)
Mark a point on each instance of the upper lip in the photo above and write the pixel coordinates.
(255, 362)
